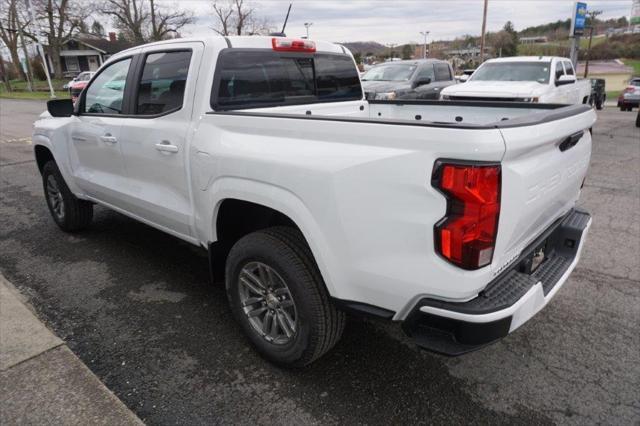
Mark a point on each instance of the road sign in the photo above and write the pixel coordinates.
(578, 19)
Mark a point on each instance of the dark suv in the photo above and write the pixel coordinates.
(411, 79)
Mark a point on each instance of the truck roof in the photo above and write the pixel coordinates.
(247, 42)
(527, 59)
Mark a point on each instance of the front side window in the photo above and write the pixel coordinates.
(568, 68)
(513, 71)
(443, 73)
(254, 79)
(164, 78)
(426, 72)
(105, 94)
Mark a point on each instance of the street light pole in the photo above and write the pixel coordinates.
(45, 66)
(425, 34)
(307, 25)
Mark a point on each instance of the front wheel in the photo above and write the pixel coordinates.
(278, 297)
(69, 212)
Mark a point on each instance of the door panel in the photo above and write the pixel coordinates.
(154, 146)
(96, 157)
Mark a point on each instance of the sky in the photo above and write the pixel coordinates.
(389, 21)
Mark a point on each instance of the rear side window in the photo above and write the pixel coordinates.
(442, 72)
(255, 79)
(162, 84)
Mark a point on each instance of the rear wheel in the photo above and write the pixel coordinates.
(277, 295)
(69, 212)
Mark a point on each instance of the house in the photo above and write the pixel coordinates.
(87, 52)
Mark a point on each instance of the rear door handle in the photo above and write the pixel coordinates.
(165, 146)
(108, 138)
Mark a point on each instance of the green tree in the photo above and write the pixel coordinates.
(407, 51)
(357, 57)
(508, 40)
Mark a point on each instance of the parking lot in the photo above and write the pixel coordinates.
(136, 307)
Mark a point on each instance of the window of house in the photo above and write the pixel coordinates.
(105, 94)
(72, 63)
(163, 81)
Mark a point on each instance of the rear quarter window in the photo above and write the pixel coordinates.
(251, 79)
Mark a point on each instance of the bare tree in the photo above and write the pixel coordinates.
(60, 19)
(145, 20)
(165, 23)
(237, 17)
(10, 27)
(129, 16)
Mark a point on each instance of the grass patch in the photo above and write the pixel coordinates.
(634, 63)
(613, 95)
(60, 94)
(40, 90)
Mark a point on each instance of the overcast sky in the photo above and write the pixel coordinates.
(401, 21)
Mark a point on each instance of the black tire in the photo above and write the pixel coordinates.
(623, 108)
(638, 119)
(599, 105)
(75, 214)
(318, 324)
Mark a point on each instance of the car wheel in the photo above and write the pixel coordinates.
(638, 119)
(69, 212)
(278, 297)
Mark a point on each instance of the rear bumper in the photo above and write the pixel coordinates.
(508, 301)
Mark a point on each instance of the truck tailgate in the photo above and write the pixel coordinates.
(542, 172)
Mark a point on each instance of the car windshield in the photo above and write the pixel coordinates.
(513, 71)
(390, 72)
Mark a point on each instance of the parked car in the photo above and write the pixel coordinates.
(630, 96)
(410, 79)
(464, 75)
(598, 93)
(83, 76)
(76, 87)
(539, 79)
(456, 219)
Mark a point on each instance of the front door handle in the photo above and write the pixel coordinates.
(108, 138)
(165, 146)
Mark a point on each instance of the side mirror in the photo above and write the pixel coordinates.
(422, 82)
(565, 79)
(60, 107)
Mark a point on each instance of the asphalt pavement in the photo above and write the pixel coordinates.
(136, 306)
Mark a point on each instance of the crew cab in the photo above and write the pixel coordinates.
(456, 219)
(536, 79)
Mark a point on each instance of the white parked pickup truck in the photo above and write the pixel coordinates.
(456, 219)
(537, 79)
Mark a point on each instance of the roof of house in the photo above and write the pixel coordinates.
(102, 44)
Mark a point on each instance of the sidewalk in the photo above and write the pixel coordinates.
(41, 380)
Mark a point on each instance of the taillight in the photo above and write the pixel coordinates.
(290, 45)
(466, 236)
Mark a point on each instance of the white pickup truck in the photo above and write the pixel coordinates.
(537, 79)
(456, 219)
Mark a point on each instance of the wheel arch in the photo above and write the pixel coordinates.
(261, 206)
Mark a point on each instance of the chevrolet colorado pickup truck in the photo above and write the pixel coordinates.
(455, 219)
(537, 79)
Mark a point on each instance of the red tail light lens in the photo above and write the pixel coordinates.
(466, 236)
(290, 45)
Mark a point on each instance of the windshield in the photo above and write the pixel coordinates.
(513, 71)
(390, 72)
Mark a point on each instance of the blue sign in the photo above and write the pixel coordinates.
(579, 19)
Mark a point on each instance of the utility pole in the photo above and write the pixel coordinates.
(45, 66)
(391, 46)
(591, 15)
(425, 34)
(307, 25)
(26, 56)
(484, 29)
